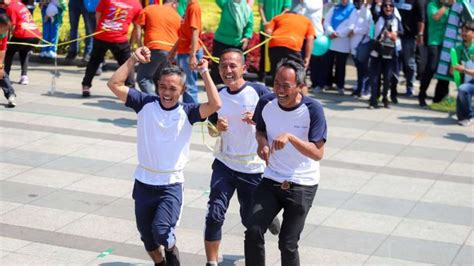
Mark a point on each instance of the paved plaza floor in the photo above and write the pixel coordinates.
(396, 184)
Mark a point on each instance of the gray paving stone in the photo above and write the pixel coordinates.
(331, 198)
(465, 256)
(397, 128)
(431, 153)
(443, 213)
(73, 200)
(121, 208)
(22, 193)
(465, 157)
(27, 158)
(119, 170)
(380, 205)
(374, 146)
(78, 165)
(344, 240)
(418, 250)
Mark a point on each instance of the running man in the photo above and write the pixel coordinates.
(164, 130)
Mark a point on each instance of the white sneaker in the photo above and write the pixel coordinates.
(465, 122)
(23, 80)
(51, 54)
(11, 101)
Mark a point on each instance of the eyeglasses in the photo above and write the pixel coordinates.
(391, 6)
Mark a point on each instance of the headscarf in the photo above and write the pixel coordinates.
(341, 13)
(382, 13)
(240, 12)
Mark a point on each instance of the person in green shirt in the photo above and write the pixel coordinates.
(269, 9)
(465, 53)
(437, 17)
(182, 7)
(234, 31)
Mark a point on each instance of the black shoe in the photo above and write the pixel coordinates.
(275, 227)
(86, 91)
(422, 103)
(385, 103)
(70, 57)
(394, 100)
(172, 257)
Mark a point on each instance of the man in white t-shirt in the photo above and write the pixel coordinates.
(291, 133)
(237, 166)
(164, 127)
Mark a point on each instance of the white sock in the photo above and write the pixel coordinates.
(212, 263)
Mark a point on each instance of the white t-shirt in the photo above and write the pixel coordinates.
(307, 122)
(163, 137)
(237, 146)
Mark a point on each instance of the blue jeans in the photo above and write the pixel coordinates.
(464, 108)
(148, 74)
(408, 61)
(224, 182)
(6, 85)
(51, 29)
(76, 9)
(157, 211)
(190, 94)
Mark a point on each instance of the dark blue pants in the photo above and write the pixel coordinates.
(407, 61)
(157, 211)
(362, 76)
(269, 199)
(340, 60)
(51, 29)
(464, 109)
(224, 182)
(378, 67)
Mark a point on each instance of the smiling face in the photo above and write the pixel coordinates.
(170, 88)
(232, 69)
(286, 88)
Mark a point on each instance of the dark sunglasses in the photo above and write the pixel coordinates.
(385, 5)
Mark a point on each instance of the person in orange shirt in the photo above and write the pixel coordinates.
(161, 24)
(189, 49)
(289, 30)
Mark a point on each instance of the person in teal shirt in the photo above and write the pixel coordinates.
(437, 17)
(182, 7)
(234, 31)
(269, 9)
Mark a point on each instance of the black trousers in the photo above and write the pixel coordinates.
(269, 199)
(6, 85)
(278, 53)
(340, 60)
(121, 53)
(23, 51)
(442, 87)
(217, 49)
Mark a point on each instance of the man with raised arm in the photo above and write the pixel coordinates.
(164, 127)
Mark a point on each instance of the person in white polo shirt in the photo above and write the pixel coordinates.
(291, 133)
(237, 167)
(164, 127)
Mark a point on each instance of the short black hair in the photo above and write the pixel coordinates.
(233, 50)
(296, 66)
(174, 70)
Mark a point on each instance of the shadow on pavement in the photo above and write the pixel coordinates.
(120, 122)
(459, 137)
(229, 260)
(440, 121)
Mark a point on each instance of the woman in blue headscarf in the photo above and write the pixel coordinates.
(234, 31)
(337, 26)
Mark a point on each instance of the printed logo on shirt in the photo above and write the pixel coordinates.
(28, 23)
(116, 15)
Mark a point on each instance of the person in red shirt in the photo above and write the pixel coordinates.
(161, 24)
(189, 49)
(289, 31)
(24, 31)
(5, 82)
(113, 20)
